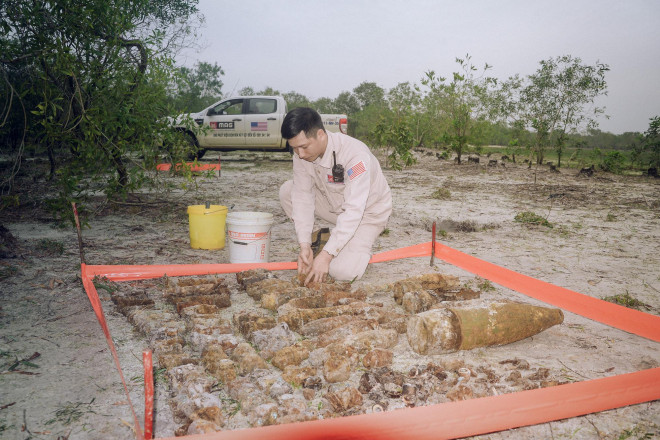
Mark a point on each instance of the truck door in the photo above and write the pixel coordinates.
(262, 122)
(226, 124)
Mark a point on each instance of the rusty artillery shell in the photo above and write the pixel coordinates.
(446, 330)
(464, 373)
(409, 394)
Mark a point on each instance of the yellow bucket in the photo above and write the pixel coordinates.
(207, 226)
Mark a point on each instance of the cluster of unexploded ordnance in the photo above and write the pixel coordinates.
(294, 353)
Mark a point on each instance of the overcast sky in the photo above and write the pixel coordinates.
(321, 48)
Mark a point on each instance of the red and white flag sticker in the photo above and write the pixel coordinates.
(356, 170)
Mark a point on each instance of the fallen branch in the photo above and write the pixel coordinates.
(570, 369)
(26, 361)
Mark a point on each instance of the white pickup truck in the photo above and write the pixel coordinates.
(245, 123)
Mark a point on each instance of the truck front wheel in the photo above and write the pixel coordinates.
(183, 144)
(197, 155)
(194, 151)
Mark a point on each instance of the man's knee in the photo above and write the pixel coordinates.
(349, 266)
(352, 261)
(285, 197)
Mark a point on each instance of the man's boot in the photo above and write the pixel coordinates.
(319, 239)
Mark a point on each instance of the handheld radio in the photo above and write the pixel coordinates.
(337, 170)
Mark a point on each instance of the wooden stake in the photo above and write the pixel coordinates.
(433, 245)
(148, 395)
(80, 242)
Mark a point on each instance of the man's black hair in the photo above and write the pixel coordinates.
(301, 119)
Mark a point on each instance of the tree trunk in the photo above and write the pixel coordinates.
(120, 166)
(51, 159)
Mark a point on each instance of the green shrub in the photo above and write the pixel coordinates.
(105, 284)
(441, 194)
(51, 247)
(486, 286)
(627, 301)
(445, 155)
(531, 218)
(614, 162)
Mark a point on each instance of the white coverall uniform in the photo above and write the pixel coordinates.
(359, 207)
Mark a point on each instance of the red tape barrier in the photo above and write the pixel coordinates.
(93, 296)
(467, 417)
(630, 320)
(454, 419)
(128, 273)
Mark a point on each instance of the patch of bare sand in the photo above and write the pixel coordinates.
(605, 241)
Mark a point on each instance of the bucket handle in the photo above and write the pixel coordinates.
(218, 210)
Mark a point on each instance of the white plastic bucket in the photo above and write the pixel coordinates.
(249, 236)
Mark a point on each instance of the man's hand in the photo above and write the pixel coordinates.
(305, 258)
(319, 269)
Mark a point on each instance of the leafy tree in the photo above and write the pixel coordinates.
(513, 149)
(396, 135)
(636, 149)
(369, 94)
(362, 123)
(578, 148)
(247, 91)
(197, 88)
(88, 82)
(652, 143)
(294, 99)
(405, 102)
(626, 140)
(269, 91)
(323, 105)
(346, 103)
(398, 127)
(602, 139)
(614, 162)
(372, 106)
(495, 133)
(555, 101)
(463, 102)
(404, 98)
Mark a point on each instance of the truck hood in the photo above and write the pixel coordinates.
(180, 119)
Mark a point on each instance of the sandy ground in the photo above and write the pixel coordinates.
(605, 241)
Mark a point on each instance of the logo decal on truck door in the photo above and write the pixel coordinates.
(222, 125)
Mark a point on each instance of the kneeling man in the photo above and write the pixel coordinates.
(336, 178)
